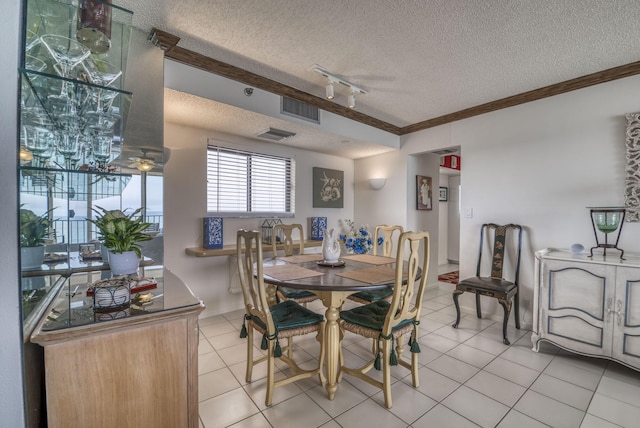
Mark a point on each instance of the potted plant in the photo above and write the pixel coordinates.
(33, 233)
(120, 234)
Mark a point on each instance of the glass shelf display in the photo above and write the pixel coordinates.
(73, 106)
(75, 185)
(73, 114)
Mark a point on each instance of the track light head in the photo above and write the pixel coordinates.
(329, 91)
(351, 102)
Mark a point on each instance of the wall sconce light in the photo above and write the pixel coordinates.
(377, 183)
(329, 89)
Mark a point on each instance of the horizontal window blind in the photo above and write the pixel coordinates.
(244, 183)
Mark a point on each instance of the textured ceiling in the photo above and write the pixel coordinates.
(417, 59)
(182, 108)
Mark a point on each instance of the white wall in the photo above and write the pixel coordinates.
(539, 164)
(185, 206)
(443, 224)
(396, 202)
(453, 223)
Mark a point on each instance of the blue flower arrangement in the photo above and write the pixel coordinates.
(357, 241)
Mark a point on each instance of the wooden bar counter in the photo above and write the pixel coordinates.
(136, 367)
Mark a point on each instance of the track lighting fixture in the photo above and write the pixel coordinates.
(330, 90)
(351, 101)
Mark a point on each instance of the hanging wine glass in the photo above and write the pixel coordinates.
(39, 141)
(102, 73)
(101, 146)
(67, 54)
(67, 144)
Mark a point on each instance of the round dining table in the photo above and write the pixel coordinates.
(332, 285)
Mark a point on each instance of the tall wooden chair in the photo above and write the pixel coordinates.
(281, 321)
(494, 285)
(386, 322)
(385, 234)
(286, 293)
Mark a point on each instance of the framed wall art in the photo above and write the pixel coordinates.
(423, 193)
(443, 196)
(328, 188)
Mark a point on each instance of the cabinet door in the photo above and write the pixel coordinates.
(626, 317)
(573, 305)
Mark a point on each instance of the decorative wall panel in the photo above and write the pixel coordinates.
(632, 169)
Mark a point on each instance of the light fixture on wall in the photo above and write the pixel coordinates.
(377, 183)
(330, 90)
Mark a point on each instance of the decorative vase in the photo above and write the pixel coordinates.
(31, 257)
(123, 264)
(330, 247)
(318, 226)
(212, 232)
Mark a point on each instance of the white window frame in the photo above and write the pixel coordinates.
(215, 176)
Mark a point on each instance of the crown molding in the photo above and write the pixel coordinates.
(168, 43)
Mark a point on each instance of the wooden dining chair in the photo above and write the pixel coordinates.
(383, 238)
(386, 322)
(281, 321)
(285, 293)
(494, 285)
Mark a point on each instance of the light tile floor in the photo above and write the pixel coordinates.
(468, 378)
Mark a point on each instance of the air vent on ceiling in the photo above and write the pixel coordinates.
(274, 134)
(444, 151)
(300, 110)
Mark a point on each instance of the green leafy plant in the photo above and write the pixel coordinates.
(120, 232)
(33, 228)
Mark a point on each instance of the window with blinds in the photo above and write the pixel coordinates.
(241, 183)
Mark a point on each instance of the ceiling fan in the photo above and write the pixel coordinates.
(144, 163)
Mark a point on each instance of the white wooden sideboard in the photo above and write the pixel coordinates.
(590, 306)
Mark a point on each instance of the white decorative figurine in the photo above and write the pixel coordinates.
(330, 247)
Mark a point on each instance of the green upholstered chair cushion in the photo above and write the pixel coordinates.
(292, 293)
(371, 316)
(374, 296)
(289, 314)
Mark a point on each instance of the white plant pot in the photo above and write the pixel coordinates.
(124, 264)
(31, 257)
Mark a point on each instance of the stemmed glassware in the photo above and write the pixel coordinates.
(102, 73)
(67, 54)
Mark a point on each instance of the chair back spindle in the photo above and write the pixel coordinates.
(253, 287)
(386, 233)
(287, 243)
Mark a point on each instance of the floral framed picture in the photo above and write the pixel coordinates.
(443, 196)
(328, 188)
(423, 193)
